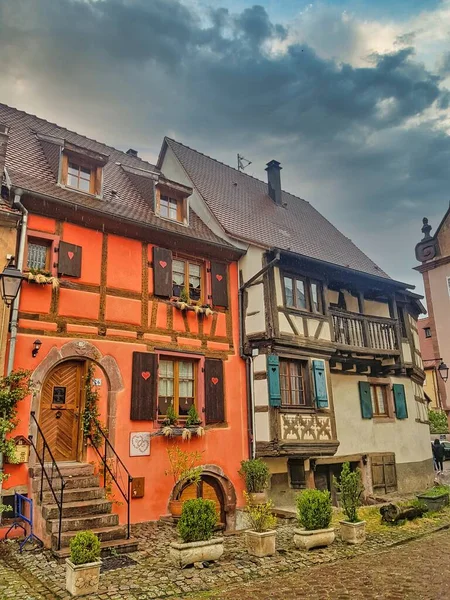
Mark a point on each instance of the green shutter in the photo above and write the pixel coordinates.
(365, 400)
(401, 409)
(320, 384)
(273, 378)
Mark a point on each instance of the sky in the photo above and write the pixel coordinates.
(351, 96)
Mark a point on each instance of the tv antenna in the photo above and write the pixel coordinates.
(242, 162)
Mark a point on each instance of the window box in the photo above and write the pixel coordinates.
(42, 278)
(199, 309)
(185, 433)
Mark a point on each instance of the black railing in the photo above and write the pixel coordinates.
(112, 466)
(51, 471)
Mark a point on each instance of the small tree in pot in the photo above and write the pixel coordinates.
(314, 515)
(83, 566)
(353, 530)
(260, 538)
(196, 527)
(183, 469)
(256, 475)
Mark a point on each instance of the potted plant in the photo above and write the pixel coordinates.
(83, 566)
(183, 469)
(42, 277)
(353, 530)
(435, 498)
(256, 475)
(260, 538)
(193, 424)
(196, 526)
(314, 515)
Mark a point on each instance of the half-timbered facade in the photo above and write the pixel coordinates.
(124, 277)
(330, 340)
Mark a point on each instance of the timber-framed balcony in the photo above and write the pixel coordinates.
(364, 334)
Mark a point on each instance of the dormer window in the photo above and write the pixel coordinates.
(82, 170)
(172, 201)
(171, 208)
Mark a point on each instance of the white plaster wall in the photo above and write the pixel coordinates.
(260, 363)
(331, 297)
(277, 465)
(261, 392)
(407, 438)
(262, 427)
(376, 309)
(351, 302)
(278, 286)
(283, 324)
(255, 321)
(298, 322)
(326, 332)
(406, 349)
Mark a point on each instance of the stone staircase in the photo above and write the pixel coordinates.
(84, 507)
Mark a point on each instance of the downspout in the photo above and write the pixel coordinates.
(248, 359)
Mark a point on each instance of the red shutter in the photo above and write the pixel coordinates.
(144, 386)
(69, 260)
(219, 284)
(162, 272)
(214, 391)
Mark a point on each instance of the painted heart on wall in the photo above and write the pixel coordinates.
(163, 264)
(145, 375)
(214, 380)
(219, 277)
(70, 255)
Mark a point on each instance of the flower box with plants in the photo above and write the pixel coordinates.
(172, 426)
(185, 471)
(260, 538)
(196, 526)
(83, 566)
(314, 515)
(436, 498)
(353, 530)
(256, 475)
(183, 302)
(42, 278)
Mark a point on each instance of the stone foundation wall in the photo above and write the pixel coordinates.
(415, 476)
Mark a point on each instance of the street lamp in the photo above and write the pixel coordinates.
(10, 281)
(443, 371)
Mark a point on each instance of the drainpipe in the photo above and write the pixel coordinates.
(248, 359)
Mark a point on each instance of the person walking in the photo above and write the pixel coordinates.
(438, 455)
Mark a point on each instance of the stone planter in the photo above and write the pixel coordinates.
(257, 498)
(435, 503)
(305, 540)
(82, 580)
(353, 533)
(192, 552)
(260, 544)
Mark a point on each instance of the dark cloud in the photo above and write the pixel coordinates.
(130, 71)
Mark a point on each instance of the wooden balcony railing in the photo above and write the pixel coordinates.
(360, 331)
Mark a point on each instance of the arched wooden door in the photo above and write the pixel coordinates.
(60, 411)
(209, 489)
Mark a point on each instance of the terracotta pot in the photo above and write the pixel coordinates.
(257, 498)
(175, 508)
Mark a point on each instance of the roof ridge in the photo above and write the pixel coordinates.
(24, 112)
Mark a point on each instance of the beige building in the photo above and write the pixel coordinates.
(331, 342)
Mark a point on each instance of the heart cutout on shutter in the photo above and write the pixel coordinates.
(214, 380)
(274, 369)
(219, 277)
(163, 264)
(70, 255)
(145, 375)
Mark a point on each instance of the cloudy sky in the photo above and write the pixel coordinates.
(350, 96)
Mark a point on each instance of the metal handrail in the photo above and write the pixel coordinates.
(106, 468)
(59, 501)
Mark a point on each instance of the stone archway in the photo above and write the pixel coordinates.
(78, 349)
(227, 489)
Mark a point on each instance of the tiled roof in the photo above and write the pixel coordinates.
(426, 344)
(32, 164)
(245, 210)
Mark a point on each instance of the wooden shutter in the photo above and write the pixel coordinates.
(273, 379)
(219, 284)
(69, 260)
(214, 391)
(144, 386)
(365, 400)
(320, 384)
(401, 409)
(162, 272)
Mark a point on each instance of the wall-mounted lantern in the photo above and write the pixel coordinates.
(443, 371)
(10, 281)
(36, 347)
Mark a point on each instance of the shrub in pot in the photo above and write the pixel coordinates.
(256, 475)
(260, 538)
(353, 529)
(83, 566)
(196, 527)
(314, 515)
(183, 469)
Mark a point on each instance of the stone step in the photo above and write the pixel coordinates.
(70, 469)
(106, 548)
(72, 483)
(104, 534)
(74, 509)
(76, 495)
(83, 522)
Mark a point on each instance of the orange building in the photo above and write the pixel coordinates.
(138, 286)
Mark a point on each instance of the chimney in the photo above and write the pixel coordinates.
(274, 181)
(3, 144)
(132, 152)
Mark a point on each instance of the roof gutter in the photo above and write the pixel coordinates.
(248, 358)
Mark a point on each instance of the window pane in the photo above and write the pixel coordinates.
(300, 293)
(37, 256)
(178, 277)
(195, 282)
(164, 206)
(72, 181)
(288, 291)
(185, 405)
(381, 403)
(315, 297)
(173, 213)
(186, 370)
(84, 185)
(85, 173)
(73, 169)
